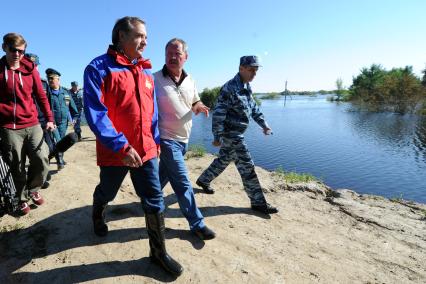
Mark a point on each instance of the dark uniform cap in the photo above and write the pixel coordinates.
(250, 60)
(33, 57)
(52, 72)
(74, 83)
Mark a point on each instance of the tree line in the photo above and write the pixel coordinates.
(397, 90)
(209, 96)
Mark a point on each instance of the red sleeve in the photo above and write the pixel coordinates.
(41, 97)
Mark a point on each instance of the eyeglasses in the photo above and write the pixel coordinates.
(14, 50)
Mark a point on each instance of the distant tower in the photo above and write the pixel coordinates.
(286, 93)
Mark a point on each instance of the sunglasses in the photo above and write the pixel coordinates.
(14, 50)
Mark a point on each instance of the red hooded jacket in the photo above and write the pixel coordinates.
(17, 107)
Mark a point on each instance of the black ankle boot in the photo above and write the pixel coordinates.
(98, 217)
(158, 254)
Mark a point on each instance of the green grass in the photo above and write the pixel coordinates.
(293, 177)
(196, 151)
(396, 199)
(271, 96)
(424, 214)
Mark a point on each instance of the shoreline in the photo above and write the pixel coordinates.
(319, 236)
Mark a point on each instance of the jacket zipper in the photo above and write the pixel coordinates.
(14, 99)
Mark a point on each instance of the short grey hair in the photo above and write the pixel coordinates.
(125, 24)
(173, 40)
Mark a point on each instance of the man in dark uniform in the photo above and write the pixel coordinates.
(63, 108)
(235, 105)
(47, 134)
(77, 96)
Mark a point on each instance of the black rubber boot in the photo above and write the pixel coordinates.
(265, 208)
(98, 217)
(158, 254)
(207, 188)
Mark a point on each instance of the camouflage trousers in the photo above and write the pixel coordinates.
(236, 150)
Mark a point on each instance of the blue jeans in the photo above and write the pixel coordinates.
(173, 170)
(62, 129)
(145, 181)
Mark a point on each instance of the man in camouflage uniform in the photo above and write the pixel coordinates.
(77, 96)
(235, 105)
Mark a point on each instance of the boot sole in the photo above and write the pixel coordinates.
(159, 263)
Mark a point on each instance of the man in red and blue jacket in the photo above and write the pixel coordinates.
(121, 109)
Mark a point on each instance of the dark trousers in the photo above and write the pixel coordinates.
(77, 127)
(145, 181)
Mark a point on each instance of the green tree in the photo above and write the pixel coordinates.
(398, 90)
(209, 96)
(367, 87)
(403, 88)
(256, 99)
(340, 89)
(424, 78)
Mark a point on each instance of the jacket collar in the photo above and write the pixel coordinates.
(237, 79)
(26, 66)
(166, 73)
(121, 59)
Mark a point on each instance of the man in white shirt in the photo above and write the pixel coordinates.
(177, 98)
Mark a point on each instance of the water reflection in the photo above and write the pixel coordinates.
(419, 140)
(376, 153)
(401, 133)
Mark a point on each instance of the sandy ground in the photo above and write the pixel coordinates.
(318, 236)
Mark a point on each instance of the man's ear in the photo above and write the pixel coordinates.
(121, 36)
(3, 46)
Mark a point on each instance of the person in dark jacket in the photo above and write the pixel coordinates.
(121, 109)
(63, 107)
(47, 134)
(20, 131)
(77, 96)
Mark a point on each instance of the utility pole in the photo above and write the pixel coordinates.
(286, 93)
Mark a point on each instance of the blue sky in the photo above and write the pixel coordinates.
(308, 43)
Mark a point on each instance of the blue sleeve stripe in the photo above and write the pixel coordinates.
(96, 112)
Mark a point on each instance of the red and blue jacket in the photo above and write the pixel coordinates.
(121, 107)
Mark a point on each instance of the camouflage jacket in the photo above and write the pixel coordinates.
(234, 106)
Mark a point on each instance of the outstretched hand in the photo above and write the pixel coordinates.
(267, 131)
(200, 107)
